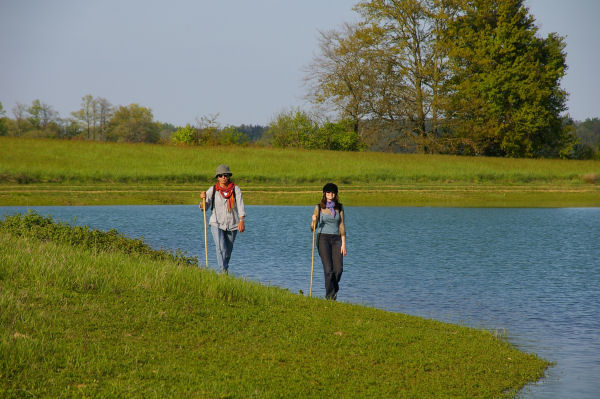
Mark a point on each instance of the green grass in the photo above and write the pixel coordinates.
(84, 321)
(52, 172)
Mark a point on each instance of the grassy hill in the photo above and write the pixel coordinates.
(52, 172)
(105, 317)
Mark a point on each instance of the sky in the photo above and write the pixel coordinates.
(242, 61)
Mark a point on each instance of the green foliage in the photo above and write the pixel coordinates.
(3, 123)
(209, 136)
(293, 128)
(184, 135)
(506, 81)
(296, 129)
(46, 229)
(588, 133)
(232, 136)
(339, 136)
(133, 124)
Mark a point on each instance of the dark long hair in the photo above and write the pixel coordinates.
(338, 205)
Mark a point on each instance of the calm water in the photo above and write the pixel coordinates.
(531, 273)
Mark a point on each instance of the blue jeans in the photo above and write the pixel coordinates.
(224, 243)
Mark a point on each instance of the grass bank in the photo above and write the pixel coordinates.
(86, 320)
(51, 172)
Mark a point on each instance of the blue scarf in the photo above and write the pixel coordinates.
(331, 206)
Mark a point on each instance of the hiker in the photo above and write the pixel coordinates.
(227, 217)
(328, 219)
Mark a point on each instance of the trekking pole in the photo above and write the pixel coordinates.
(312, 262)
(205, 237)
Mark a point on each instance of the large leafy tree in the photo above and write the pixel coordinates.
(411, 65)
(133, 123)
(388, 71)
(506, 95)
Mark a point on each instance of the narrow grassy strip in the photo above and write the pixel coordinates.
(86, 322)
(454, 195)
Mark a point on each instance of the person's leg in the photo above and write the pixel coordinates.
(338, 263)
(324, 246)
(219, 238)
(229, 238)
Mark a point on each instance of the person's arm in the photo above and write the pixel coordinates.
(313, 223)
(207, 195)
(343, 232)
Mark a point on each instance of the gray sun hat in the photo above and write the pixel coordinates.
(223, 169)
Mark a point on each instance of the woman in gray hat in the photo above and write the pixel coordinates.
(227, 216)
(328, 219)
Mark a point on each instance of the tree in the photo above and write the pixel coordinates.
(94, 115)
(505, 85)
(230, 135)
(87, 114)
(103, 110)
(184, 135)
(339, 136)
(342, 74)
(133, 124)
(412, 68)
(3, 124)
(388, 70)
(293, 128)
(21, 123)
(41, 115)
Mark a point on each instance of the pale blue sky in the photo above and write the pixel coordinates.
(190, 58)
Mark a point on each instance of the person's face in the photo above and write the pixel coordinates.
(329, 196)
(223, 179)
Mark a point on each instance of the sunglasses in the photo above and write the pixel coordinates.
(224, 175)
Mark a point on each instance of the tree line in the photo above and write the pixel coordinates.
(99, 120)
(467, 77)
(447, 76)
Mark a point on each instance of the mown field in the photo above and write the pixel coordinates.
(92, 314)
(51, 172)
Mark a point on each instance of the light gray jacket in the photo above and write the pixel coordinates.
(220, 217)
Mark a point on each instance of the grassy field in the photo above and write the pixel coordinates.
(50, 172)
(103, 320)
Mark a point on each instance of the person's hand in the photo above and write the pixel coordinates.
(241, 226)
(202, 203)
(314, 223)
(343, 250)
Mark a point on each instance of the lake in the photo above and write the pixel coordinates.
(531, 274)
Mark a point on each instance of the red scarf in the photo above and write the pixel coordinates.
(227, 193)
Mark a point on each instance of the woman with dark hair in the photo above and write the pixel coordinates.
(328, 219)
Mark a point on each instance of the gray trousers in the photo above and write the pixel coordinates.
(224, 243)
(330, 247)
